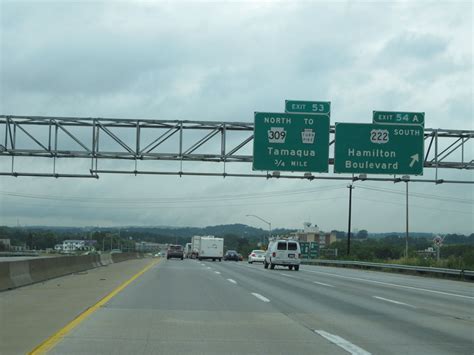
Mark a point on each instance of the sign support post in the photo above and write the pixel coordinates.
(406, 235)
(350, 187)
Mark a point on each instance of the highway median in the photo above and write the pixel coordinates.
(17, 273)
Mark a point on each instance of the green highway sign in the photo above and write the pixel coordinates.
(379, 149)
(304, 248)
(399, 117)
(309, 250)
(314, 250)
(314, 107)
(291, 142)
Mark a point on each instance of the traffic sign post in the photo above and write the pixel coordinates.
(379, 149)
(314, 107)
(438, 242)
(393, 117)
(291, 142)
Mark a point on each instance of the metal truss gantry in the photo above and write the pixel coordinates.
(84, 138)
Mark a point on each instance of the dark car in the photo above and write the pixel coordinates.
(231, 255)
(175, 251)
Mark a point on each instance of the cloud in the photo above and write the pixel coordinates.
(221, 62)
(414, 45)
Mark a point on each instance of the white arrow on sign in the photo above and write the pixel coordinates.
(414, 158)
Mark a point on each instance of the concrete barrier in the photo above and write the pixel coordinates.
(96, 262)
(105, 259)
(20, 273)
(5, 280)
(118, 257)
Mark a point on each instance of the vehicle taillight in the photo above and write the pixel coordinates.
(274, 254)
(253, 254)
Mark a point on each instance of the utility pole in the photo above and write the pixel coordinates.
(350, 187)
(406, 178)
(406, 234)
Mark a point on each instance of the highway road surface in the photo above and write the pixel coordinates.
(193, 307)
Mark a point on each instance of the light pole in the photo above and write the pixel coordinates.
(111, 241)
(269, 225)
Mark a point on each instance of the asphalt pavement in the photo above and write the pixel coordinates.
(194, 307)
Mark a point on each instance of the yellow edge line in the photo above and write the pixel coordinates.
(49, 343)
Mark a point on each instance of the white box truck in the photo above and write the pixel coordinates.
(195, 245)
(211, 248)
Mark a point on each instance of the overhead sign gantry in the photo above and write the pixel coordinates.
(52, 140)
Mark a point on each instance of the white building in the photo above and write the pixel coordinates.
(72, 245)
(6, 243)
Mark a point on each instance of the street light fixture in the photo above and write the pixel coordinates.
(269, 224)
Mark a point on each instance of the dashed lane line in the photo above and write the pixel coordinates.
(392, 285)
(323, 284)
(260, 297)
(393, 301)
(342, 343)
(232, 281)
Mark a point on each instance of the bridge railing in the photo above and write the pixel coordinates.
(456, 273)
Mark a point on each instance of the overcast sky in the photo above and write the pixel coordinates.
(222, 61)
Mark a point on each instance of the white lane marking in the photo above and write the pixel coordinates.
(392, 301)
(233, 281)
(343, 343)
(323, 284)
(281, 273)
(203, 264)
(394, 285)
(260, 297)
(217, 272)
(208, 267)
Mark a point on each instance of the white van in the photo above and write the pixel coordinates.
(284, 252)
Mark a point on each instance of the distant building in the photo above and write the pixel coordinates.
(69, 246)
(308, 233)
(327, 239)
(311, 233)
(18, 248)
(6, 243)
(429, 252)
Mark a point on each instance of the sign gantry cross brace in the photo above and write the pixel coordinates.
(182, 141)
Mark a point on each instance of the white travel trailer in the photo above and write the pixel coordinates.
(211, 248)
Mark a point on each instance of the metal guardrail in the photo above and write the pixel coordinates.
(19, 253)
(461, 273)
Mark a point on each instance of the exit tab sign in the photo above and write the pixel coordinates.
(314, 107)
(391, 117)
